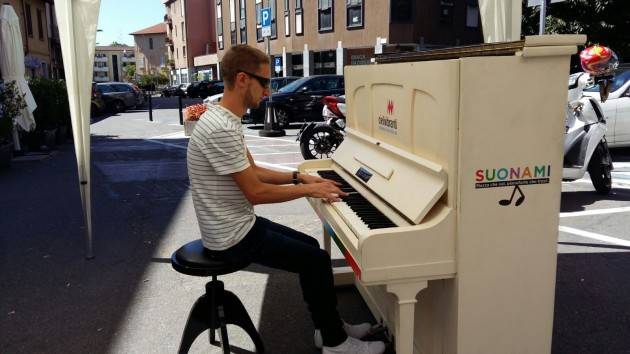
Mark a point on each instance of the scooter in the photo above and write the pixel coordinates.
(320, 140)
(585, 146)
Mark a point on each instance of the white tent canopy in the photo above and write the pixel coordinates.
(12, 63)
(77, 21)
(501, 20)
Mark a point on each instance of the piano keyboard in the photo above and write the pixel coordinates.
(355, 206)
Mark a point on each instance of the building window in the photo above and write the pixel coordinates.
(325, 15)
(354, 13)
(446, 12)
(299, 30)
(29, 21)
(232, 22)
(243, 21)
(175, 28)
(40, 27)
(401, 11)
(177, 53)
(183, 32)
(259, 37)
(274, 22)
(181, 3)
(219, 25)
(150, 43)
(472, 16)
(184, 51)
(287, 23)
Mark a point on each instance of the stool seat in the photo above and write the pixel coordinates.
(194, 259)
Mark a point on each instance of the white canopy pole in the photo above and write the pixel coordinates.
(500, 20)
(77, 21)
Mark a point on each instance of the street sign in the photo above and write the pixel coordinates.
(265, 15)
(277, 63)
(531, 3)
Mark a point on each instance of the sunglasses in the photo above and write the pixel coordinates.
(263, 81)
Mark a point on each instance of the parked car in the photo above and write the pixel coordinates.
(98, 104)
(205, 88)
(280, 82)
(173, 90)
(119, 96)
(616, 108)
(300, 100)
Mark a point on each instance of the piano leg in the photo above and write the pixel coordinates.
(405, 313)
(327, 238)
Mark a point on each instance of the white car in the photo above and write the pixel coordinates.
(215, 99)
(616, 108)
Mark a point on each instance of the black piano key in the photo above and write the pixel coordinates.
(367, 212)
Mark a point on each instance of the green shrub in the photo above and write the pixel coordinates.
(12, 102)
(52, 103)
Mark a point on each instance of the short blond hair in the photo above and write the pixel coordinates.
(239, 58)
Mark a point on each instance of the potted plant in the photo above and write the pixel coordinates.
(51, 111)
(191, 116)
(11, 104)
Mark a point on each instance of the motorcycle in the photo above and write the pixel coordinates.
(320, 139)
(585, 145)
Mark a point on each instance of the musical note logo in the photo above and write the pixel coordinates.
(519, 200)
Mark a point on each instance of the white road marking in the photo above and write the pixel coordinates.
(615, 183)
(621, 165)
(595, 212)
(261, 163)
(258, 146)
(266, 138)
(276, 153)
(594, 236)
(169, 135)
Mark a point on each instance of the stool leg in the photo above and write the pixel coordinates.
(213, 339)
(197, 323)
(237, 315)
(225, 342)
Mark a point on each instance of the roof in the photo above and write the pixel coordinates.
(155, 29)
(115, 47)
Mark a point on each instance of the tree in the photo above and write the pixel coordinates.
(116, 44)
(129, 71)
(605, 22)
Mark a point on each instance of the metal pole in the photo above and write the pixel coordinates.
(181, 116)
(150, 108)
(543, 15)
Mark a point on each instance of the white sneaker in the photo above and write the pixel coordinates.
(356, 331)
(356, 346)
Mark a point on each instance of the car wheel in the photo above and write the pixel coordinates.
(600, 171)
(282, 117)
(119, 106)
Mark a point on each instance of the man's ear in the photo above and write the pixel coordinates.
(240, 80)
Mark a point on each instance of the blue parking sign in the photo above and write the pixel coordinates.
(265, 16)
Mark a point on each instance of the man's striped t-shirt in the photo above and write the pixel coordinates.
(215, 150)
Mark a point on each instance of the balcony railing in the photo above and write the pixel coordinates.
(128, 59)
(101, 69)
(101, 79)
(100, 59)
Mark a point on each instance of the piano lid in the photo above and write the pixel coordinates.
(409, 183)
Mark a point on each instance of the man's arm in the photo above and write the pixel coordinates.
(259, 192)
(276, 177)
(269, 176)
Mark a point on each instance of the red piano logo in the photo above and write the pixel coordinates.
(390, 107)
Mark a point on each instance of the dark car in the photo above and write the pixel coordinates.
(205, 88)
(300, 100)
(279, 82)
(98, 104)
(173, 90)
(119, 96)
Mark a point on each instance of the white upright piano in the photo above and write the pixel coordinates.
(453, 162)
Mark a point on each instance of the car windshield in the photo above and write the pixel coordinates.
(292, 87)
(620, 78)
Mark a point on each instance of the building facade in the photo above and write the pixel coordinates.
(190, 33)
(321, 36)
(110, 63)
(40, 37)
(150, 49)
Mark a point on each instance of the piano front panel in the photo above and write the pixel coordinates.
(420, 99)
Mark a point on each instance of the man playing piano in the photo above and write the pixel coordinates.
(226, 183)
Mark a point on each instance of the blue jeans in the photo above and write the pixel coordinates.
(280, 247)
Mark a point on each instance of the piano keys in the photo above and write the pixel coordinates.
(437, 258)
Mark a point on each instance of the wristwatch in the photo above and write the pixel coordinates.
(296, 177)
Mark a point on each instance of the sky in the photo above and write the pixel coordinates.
(118, 18)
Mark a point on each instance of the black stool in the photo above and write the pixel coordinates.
(218, 307)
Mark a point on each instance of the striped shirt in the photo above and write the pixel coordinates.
(215, 150)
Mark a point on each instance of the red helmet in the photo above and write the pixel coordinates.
(598, 60)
